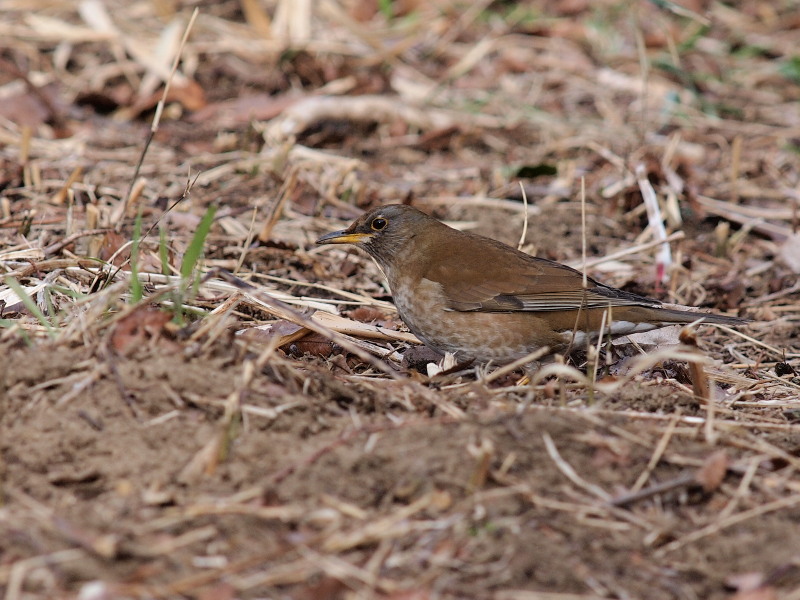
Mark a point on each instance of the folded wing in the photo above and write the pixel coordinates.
(512, 282)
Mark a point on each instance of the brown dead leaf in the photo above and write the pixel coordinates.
(238, 111)
(190, 95)
(437, 140)
(286, 332)
(323, 587)
(257, 17)
(221, 591)
(110, 247)
(113, 250)
(257, 335)
(566, 8)
(713, 471)
(366, 314)
(313, 344)
(362, 10)
(185, 220)
(142, 325)
(413, 594)
(24, 109)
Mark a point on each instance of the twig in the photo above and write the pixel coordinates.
(658, 452)
(656, 222)
(533, 356)
(678, 235)
(285, 311)
(718, 526)
(63, 243)
(583, 234)
(744, 486)
(156, 117)
(684, 480)
(524, 218)
(748, 216)
(570, 473)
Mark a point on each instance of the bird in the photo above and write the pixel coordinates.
(484, 301)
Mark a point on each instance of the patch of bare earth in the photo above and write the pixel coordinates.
(194, 436)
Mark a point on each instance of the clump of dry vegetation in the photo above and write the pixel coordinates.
(197, 402)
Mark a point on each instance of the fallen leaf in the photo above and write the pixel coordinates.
(24, 109)
(143, 324)
(313, 344)
(286, 332)
(221, 591)
(230, 113)
(711, 474)
(110, 247)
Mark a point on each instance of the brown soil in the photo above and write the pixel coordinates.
(149, 453)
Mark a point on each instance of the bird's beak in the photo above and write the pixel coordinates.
(344, 237)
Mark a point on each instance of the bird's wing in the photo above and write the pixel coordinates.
(514, 282)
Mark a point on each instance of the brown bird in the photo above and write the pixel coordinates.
(481, 299)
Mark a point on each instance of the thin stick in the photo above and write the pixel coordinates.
(660, 448)
(359, 298)
(63, 243)
(583, 232)
(570, 473)
(525, 219)
(285, 311)
(741, 491)
(251, 233)
(535, 355)
(678, 482)
(656, 222)
(644, 66)
(157, 116)
(606, 319)
(678, 235)
(736, 160)
(780, 354)
(716, 527)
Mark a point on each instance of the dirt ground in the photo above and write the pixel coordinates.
(188, 437)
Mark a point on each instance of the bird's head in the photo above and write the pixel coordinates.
(383, 232)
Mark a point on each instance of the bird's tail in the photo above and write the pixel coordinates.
(671, 315)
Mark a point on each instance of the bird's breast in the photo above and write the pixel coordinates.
(484, 336)
(420, 305)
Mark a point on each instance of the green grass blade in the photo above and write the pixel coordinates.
(11, 324)
(163, 250)
(51, 307)
(385, 6)
(136, 285)
(195, 249)
(30, 305)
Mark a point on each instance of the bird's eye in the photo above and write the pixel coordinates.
(379, 223)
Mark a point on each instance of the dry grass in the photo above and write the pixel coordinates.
(258, 434)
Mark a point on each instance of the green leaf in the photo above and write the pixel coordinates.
(136, 285)
(791, 69)
(385, 6)
(11, 324)
(195, 249)
(163, 250)
(30, 305)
